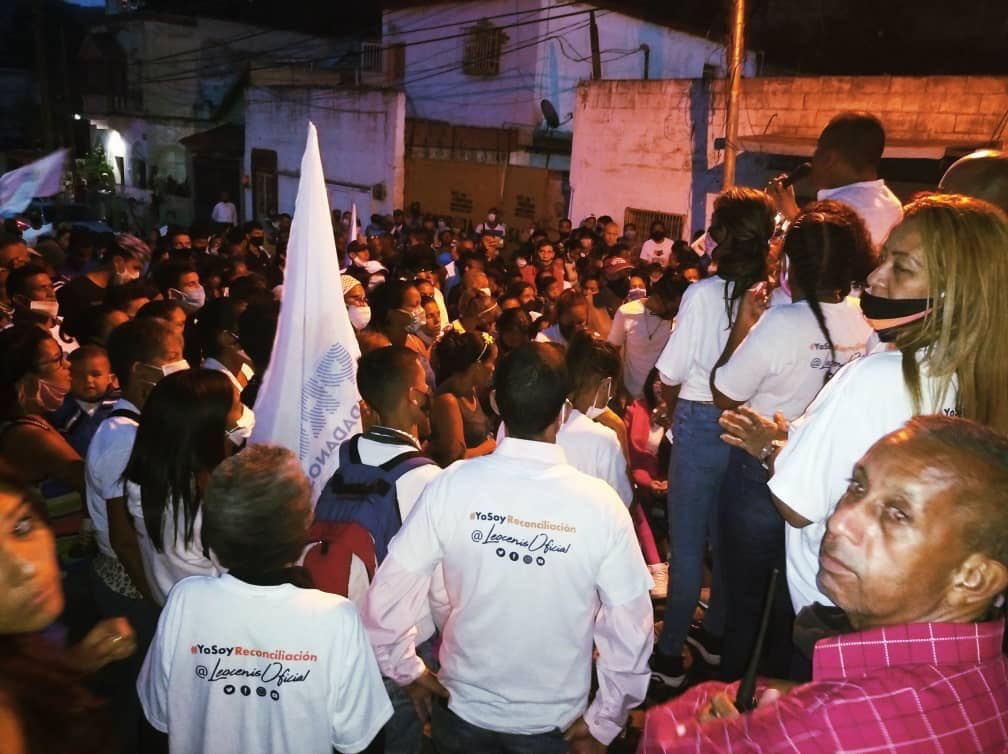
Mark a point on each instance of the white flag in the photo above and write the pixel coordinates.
(353, 223)
(308, 401)
(40, 178)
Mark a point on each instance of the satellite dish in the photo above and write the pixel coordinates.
(550, 114)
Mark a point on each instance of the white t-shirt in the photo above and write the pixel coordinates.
(643, 335)
(408, 489)
(864, 401)
(531, 549)
(781, 364)
(699, 334)
(107, 456)
(224, 212)
(879, 207)
(165, 569)
(653, 251)
(595, 449)
(271, 669)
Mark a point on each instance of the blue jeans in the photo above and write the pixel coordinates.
(752, 543)
(453, 735)
(403, 731)
(696, 468)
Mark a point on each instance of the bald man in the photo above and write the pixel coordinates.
(915, 557)
(982, 174)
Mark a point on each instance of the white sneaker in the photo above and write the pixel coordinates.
(659, 572)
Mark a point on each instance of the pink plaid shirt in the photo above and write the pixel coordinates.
(925, 687)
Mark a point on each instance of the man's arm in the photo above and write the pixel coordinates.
(390, 610)
(624, 635)
(123, 538)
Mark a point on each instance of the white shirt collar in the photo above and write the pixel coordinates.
(827, 193)
(546, 453)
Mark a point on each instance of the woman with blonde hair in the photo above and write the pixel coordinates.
(937, 300)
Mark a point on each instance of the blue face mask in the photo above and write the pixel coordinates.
(444, 258)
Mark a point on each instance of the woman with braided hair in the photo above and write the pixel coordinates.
(742, 224)
(776, 361)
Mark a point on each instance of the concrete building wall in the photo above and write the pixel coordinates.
(545, 56)
(652, 144)
(361, 137)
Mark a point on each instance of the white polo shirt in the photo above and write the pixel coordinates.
(781, 364)
(865, 401)
(643, 335)
(699, 334)
(531, 549)
(261, 669)
(879, 207)
(107, 457)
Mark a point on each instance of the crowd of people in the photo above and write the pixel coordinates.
(567, 433)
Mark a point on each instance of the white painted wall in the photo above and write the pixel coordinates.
(361, 137)
(632, 148)
(541, 59)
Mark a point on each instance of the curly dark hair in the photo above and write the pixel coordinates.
(455, 352)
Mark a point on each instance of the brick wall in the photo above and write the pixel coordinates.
(956, 108)
(650, 144)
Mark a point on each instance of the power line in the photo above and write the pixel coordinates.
(249, 55)
(239, 38)
(483, 18)
(456, 66)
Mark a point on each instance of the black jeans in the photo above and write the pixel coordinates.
(453, 735)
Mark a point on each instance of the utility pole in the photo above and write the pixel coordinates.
(595, 54)
(736, 58)
(42, 71)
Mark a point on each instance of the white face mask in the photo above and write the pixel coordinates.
(593, 411)
(636, 293)
(360, 316)
(419, 319)
(485, 291)
(242, 431)
(51, 308)
(191, 300)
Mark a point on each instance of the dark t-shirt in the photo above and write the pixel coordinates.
(77, 301)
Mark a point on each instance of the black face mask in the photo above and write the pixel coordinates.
(658, 236)
(888, 316)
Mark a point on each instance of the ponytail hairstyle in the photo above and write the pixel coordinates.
(828, 248)
(747, 217)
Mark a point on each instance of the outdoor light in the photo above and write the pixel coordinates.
(77, 116)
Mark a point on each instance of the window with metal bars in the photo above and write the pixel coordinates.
(481, 51)
(643, 218)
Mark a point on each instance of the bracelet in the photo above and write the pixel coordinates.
(766, 451)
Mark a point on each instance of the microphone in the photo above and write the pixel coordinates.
(745, 699)
(797, 174)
